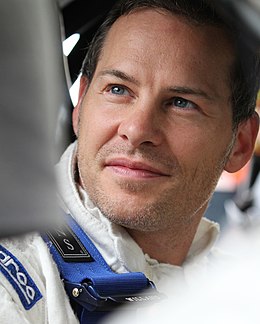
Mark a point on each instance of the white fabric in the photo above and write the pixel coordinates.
(117, 247)
(54, 306)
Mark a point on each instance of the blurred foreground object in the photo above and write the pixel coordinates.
(32, 84)
(227, 294)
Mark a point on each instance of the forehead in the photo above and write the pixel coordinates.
(154, 41)
(161, 26)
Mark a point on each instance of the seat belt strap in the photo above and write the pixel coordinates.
(88, 279)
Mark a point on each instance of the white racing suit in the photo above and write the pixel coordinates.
(30, 287)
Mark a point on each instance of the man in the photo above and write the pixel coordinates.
(164, 107)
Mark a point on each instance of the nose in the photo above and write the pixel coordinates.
(141, 126)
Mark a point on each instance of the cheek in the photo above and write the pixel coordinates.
(195, 145)
(185, 138)
(96, 129)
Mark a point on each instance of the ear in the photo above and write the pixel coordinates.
(243, 148)
(75, 114)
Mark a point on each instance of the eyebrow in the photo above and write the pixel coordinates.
(191, 91)
(119, 74)
(181, 90)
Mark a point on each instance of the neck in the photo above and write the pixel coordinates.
(169, 245)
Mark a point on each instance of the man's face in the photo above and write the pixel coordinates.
(155, 125)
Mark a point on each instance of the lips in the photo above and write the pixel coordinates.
(130, 168)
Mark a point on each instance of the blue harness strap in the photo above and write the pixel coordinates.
(94, 289)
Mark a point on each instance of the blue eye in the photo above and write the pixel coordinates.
(117, 90)
(183, 103)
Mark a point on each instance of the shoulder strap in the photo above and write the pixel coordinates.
(88, 280)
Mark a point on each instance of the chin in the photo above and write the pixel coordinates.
(147, 217)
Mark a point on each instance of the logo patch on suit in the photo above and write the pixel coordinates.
(19, 278)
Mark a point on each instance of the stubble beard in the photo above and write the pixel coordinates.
(170, 209)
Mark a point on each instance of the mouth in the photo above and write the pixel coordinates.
(134, 169)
